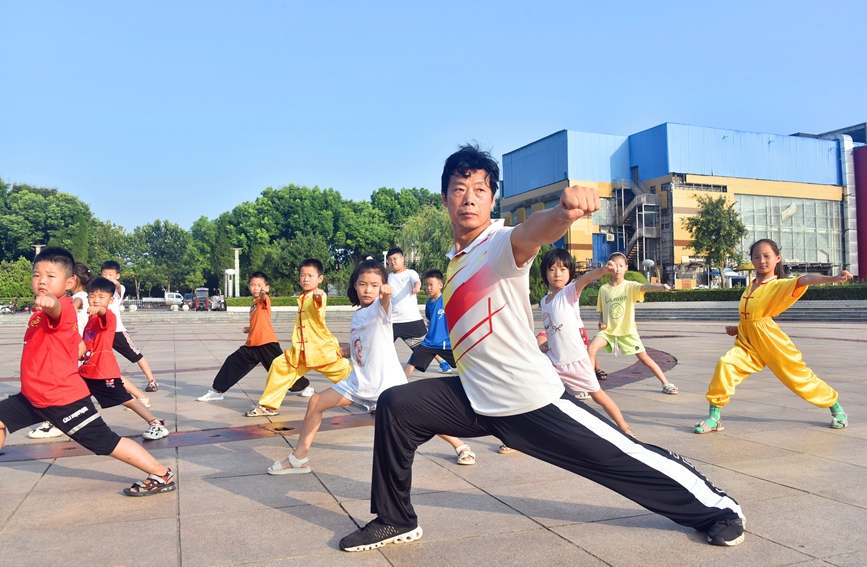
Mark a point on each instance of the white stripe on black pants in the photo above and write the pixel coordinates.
(565, 433)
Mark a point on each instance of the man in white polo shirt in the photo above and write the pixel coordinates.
(508, 388)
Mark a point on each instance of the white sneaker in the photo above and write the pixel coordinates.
(582, 396)
(44, 431)
(211, 396)
(156, 430)
(307, 392)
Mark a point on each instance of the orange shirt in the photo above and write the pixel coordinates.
(261, 331)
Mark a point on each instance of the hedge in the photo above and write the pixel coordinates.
(815, 293)
(292, 301)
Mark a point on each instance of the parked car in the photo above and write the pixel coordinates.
(188, 299)
(201, 300)
(218, 302)
(169, 298)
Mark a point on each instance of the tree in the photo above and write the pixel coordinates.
(716, 230)
(15, 278)
(538, 289)
(426, 238)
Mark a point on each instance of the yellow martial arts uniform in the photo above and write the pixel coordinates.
(313, 348)
(761, 343)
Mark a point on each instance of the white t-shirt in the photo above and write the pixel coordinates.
(82, 313)
(114, 307)
(562, 321)
(375, 366)
(487, 302)
(403, 301)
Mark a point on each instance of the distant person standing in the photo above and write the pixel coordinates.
(408, 324)
(123, 344)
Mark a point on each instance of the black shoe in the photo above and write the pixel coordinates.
(152, 386)
(726, 532)
(299, 384)
(376, 534)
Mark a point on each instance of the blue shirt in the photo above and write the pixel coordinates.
(437, 331)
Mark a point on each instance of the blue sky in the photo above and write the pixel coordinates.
(175, 110)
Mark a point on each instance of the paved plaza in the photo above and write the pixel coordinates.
(803, 486)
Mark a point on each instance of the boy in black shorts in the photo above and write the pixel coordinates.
(99, 366)
(122, 343)
(51, 388)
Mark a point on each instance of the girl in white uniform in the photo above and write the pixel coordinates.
(375, 366)
(562, 340)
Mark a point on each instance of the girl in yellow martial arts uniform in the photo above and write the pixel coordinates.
(760, 341)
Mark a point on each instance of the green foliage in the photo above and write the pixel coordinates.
(35, 215)
(817, 293)
(538, 289)
(15, 278)
(716, 230)
(630, 275)
(426, 238)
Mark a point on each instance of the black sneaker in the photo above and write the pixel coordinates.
(376, 534)
(726, 532)
(152, 386)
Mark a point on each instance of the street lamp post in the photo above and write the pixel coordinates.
(237, 272)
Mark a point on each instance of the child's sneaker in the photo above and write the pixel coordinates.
(153, 484)
(376, 534)
(44, 431)
(152, 386)
(669, 389)
(307, 392)
(211, 396)
(445, 368)
(583, 396)
(157, 430)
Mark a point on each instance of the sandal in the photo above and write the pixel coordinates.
(601, 375)
(503, 450)
(465, 456)
(708, 425)
(153, 484)
(839, 420)
(260, 411)
(296, 468)
(669, 389)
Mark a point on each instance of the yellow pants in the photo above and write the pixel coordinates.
(765, 344)
(282, 376)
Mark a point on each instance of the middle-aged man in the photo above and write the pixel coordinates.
(508, 388)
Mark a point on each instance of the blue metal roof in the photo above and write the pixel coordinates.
(671, 148)
(751, 155)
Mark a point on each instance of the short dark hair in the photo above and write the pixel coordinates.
(110, 265)
(102, 284)
(556, 256)
(58, 256)
(434, 274)
(312, 263)
(392, 251)
(258, 275)
(362, 268)
(470, 158)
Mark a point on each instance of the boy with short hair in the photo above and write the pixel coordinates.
(313, 346)
(261, 346)
(51, 388)
(122, 343)
(99, 366)
(407, 323)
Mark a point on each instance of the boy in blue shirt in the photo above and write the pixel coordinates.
(437, 344)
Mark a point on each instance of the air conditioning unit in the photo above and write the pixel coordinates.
(609, 237)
